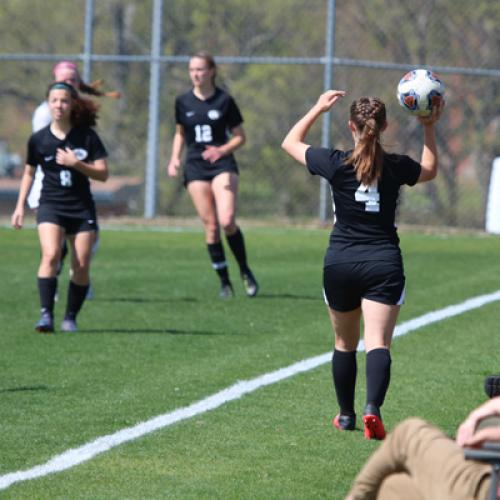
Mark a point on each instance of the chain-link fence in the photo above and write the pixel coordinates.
(275, 58)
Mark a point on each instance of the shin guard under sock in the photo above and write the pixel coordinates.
(218, 258)
(237, 244)
(344, 371)
(378, 375)
(76, 298)
(47, 288)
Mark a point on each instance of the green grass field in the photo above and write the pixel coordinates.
(156, 338)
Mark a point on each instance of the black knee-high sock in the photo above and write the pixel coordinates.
(344, 371)
(218, 258)
(76, 298)
(237, 244)
(378, 375)
(47, 288)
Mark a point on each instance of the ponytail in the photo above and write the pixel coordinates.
(93, 89)
(369, 116)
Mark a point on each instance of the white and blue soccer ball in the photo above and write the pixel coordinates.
(419, 90)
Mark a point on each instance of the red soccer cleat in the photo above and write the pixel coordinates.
(374, 428)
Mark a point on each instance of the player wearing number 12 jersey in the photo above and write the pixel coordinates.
(363, 269)
(209, 123)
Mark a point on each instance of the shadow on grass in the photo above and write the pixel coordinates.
(291, 296)
(169, 331)
(145, 300)
(25, 388)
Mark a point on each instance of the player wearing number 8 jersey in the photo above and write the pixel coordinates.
(65, 191)
(363, 269)
(69, 152)
(209, 123)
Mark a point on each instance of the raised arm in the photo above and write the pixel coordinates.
(429, 160)
(294, 143)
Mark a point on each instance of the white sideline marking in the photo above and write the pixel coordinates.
(88, 451)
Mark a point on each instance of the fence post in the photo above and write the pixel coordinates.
(493, 205)
(328, 79)
(87, 45)
(154, 112)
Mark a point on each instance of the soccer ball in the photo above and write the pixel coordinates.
(419, 90)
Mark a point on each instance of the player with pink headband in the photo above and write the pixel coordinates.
(67, 71)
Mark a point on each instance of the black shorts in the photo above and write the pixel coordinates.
(205, 171)
(71, 225)
(345, 284)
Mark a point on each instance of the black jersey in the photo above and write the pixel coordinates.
(64, 188)
(206, 122)
(364, 227)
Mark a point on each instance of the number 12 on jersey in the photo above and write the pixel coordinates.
(370, 196)
(203, 133)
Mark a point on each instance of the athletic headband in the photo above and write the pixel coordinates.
(65, 64)
(64, 86)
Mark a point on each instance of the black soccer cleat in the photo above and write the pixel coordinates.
(226, 291)
(250, 283)
(45, 323)
(344, 422)
(68, 325)
(492, 386)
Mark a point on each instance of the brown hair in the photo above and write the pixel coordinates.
(86, 88)
(93, 89)
(209, 60)
(83, 111)
(369, 116)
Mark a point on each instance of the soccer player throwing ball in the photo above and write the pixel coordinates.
(363, 273)
(209, 122)
(69, 152)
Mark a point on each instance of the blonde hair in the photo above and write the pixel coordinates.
(369, 116)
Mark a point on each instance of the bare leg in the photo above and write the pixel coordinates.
(204, 202)
(50, 236)
(380, 321)
(225, 189)
(81, 253)
(346, 328)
